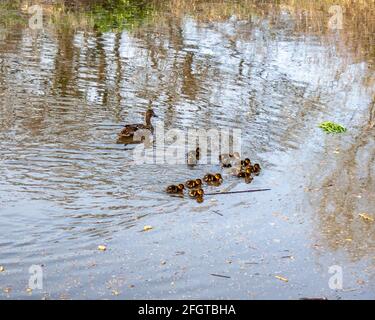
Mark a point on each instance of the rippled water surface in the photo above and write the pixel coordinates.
(67, 187)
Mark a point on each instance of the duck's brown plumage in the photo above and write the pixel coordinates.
(130, 130)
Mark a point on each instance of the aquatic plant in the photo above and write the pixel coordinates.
(331, 127)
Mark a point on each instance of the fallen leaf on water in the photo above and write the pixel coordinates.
(102, 248)
(282, 278)
(366, 217)
(7, 290)
(115, 292)
(147, 228)
(2, 269)
(29, 290)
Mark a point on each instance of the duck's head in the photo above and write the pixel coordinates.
(200, 192)
(218, 176)
(149, 114)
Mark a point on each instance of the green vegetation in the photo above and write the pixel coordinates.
(118, 15)
(331, 127)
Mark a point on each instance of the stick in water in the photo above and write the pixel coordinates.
(231, 192)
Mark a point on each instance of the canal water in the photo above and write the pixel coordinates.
(274, 72)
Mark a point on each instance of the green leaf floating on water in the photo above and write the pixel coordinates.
(331, 127)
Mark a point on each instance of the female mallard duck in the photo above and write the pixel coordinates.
(193, 157)
(136, 133)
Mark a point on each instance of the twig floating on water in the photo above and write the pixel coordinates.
(233, 192)
(219, 275)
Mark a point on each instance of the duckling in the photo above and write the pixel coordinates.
(209, 177)
(199, 199)
(248, 171)
(200, 192)
(247, 162)
(172, 189)
(226, 159)
(198, 182)
(256, 168)
(218, 177)
(241, 174)
(193, 157)
(248, 179)
(193, 193)
(191, 184)
(181, 188)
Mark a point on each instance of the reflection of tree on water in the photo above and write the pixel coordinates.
(347, 189)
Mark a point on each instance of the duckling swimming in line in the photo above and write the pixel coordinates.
(196, 193)
(209, 177)
(193, 183)
(213, 179)
(173, 189)
(256, 168)
(227, 159)
(193, 157)
(136, 133)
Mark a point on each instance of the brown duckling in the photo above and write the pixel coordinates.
(241, 174)
(200, 192)
(256, 168)
(226, 159)
(209, 177)
(247, 162)
(193, 157)
(200, 199)
(213, 179)
(193, 183)
(218, 177)
(248, 171)
(248, 179)
(193, 193)
(173, 189)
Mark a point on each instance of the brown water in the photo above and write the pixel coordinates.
(67, 187)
